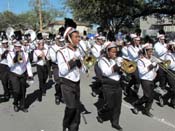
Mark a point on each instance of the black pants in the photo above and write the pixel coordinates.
(42, 76)
(4, 77)
(57, 80)
(161, 77)
(19, 88)
(113, 100)
(148, 94)
(48, 63)
(171, 92)
(135, 80)
(71, 95)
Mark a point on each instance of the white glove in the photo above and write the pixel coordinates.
(154, 64)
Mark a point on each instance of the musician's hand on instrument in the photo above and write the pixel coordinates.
(116, 68)
(154, 64)
(150, 67)
(78, 62)
(15, 59)
(72, 63)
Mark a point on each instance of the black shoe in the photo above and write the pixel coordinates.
(57, 101)
(147, 114)
(93, 94)
(6, 97)
(16, 108)
(161, 101)
(39, 98)
(44, 94)
(99, 119)
(172, 105)
(135, 110)
(24, 110)
(64, 129)
(118, 127)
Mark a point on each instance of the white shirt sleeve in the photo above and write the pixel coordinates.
(29, 69)
(35, 57)
(10, 60)
(142, 68)
(62, 64)
(106, 69)
(132, 53)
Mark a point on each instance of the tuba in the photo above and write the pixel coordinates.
(32, 34)
(128, 66)
(10, 32)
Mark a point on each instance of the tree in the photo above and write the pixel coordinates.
(116, 14)
(7, 18)
(49, 14)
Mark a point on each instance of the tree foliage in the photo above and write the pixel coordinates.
(118, 13)
(30, 19)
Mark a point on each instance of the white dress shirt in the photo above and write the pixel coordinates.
(96, 50)
(125, 53)
(53, 53)
(171, 57)
(3, 61)
(19, 68)
(160, 50)
(133, 52)
(37, 53)
(106, 67)
(64, 55)
(144, 73)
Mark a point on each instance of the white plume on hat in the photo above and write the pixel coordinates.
(133, 36)
(4, 41)
(171, 43)
(68, 31)
(18, 44)
(108, 45)
(160, 36)
(147, 46)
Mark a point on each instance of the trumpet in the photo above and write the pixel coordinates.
(19, 58)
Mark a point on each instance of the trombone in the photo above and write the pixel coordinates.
(164, 64)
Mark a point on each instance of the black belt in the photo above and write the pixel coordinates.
(69, 82)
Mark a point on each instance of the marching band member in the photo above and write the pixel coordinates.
(20, 68)
(69, 65)
(54, 63)
(134, 50)
(28, 48)
(84, 46)
(147, 74)
(98, 46)
(111, 87)
(160, 49)
(40, 56)
(125, 50)
(96, 50)
(171, 81)
(4, 69)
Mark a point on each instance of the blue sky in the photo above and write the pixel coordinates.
(21, 6)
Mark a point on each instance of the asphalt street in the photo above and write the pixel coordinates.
(47, 116)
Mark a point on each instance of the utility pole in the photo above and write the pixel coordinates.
(40, 15)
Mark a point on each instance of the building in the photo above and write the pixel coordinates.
(150, 25)
(81, 27)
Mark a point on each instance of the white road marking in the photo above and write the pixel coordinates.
(161, 120)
